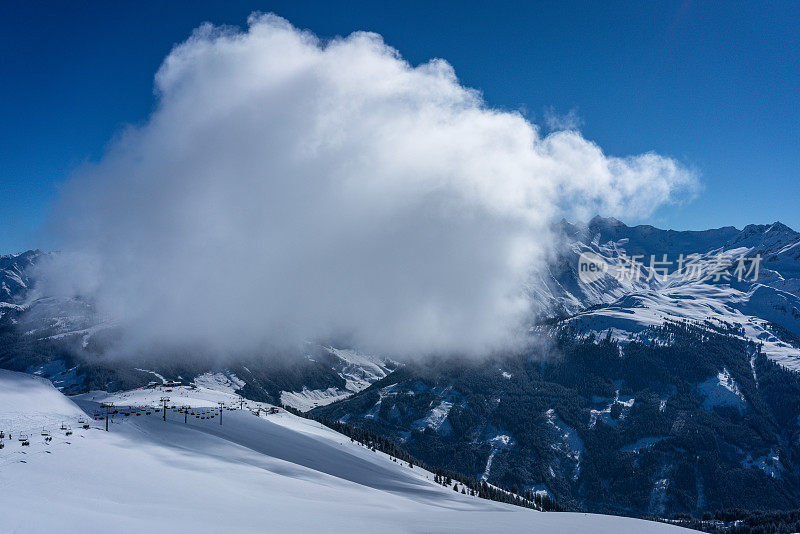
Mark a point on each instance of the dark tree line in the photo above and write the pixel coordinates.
(459, 481)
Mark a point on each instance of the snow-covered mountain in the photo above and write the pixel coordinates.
(15, 276)
(659, 384)
(64, 340)
(55, 337)
(255, 472)
(657, 275)
(359, 371)
(669, 389)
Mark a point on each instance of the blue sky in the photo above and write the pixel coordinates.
(717, 88)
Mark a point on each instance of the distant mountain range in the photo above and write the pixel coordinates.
(661, 381)
(63, 339)
(768, 307)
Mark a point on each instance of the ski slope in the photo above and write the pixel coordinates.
(253, 473)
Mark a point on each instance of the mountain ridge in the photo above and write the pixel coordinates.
(651, 394)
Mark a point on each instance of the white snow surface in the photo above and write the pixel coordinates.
(722, 390)
(28, 404)
(311, 398)
(359, 371)
(567, 442)
(498, 443)
(274, 473)
(437, 415)
(227, 382)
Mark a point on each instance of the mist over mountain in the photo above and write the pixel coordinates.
(663, 392)
(290, 189)
(323, 226)
(393, 267)
(762, 306)
(651, 395)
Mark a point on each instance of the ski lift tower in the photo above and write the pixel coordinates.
(221, 407)
(107, 406)
(164, 401)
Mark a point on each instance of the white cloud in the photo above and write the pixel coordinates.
(554, 121)
(288, 189)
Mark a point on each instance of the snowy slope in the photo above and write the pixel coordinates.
(274, 473)
(28, 404)
(359, 371)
